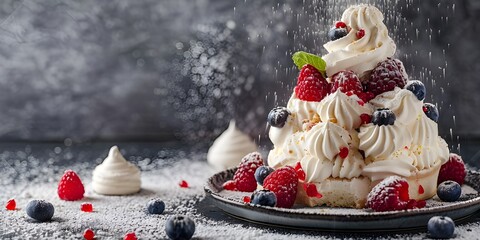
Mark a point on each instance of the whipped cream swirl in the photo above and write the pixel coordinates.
(403, 104)
(326, 139)
(279, 135)
(116, 176)
(290, 153)
(349, 167)
(360, 55)
(316, 170)
(229, 148)
(399, 163)
(343, 110)
(379, 142)
(301, 111)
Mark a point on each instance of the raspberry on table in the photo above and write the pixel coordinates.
(86, 207)
(283, 182)
(130, 236)
(453, 169)
(392, 194)
(386, 76)
(11, 205)
(183, 184)
(88, 234)
(70, 187)
(311, 85)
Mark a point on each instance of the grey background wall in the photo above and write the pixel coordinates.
(159, 70)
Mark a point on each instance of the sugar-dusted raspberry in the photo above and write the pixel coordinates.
(244, 178)
(311, 85)
(70, 187)
(347, 82)
(453, 169)
(283, 182)
(230, 185)
(392, 194)
(386, 76)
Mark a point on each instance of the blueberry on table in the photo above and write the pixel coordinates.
(417, 88)
(264, 198)
(262, 172)
(155, 206)
(449, 191)
(441, 227)
(337, 33)
(383, 116)
(40, 210)
(179, 227)
(431, 111)
(278, 116)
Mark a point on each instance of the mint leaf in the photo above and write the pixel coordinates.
(302, 58)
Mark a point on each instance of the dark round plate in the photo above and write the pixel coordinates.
(345, 219)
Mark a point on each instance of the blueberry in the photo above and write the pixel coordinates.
(337, 33)
(449, 191)
(383, 116)
(431, 111)
(417, 88)
(40, 210)
(441, 227)
(264, 198)
(262, 172)
(278, 116)
(179, 227)
(155, 206)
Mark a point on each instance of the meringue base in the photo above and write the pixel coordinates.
(352, 193)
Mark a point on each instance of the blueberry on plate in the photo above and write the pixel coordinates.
(278, 116)
(417, 88)
(264, 198)
(441, 227)
(431, 111)
(179, 227)
(337, 33)
(449, 191)
(40, 210)
(155, 206)
(261, 173)
(383, 116)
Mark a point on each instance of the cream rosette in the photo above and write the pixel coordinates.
(403, 103)
(325, 140)
(399, 163)
(379, 142)
(290, 153)
(300, 110)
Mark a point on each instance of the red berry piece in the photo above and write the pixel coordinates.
(86, 207)
(343, 152)
(421, 190)
(11, 205)
(360, 33)
(70, 187)
(311, 85)
(311, 190)
(183, 184)
(347, 81)
(88, 234)
(246, 199)
(386, 76)
(230, 185)
(453, 169)
(244, 177)
(366, 119)
(392, 194)
(283, 182)
(300, 172)
(340, 25)
(130, 236)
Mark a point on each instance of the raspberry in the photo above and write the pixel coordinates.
(283, 182)
(453, 169)
(70, 187)
(392, 194)
(366, 119)
(360, 33)
(86, 207)
(246, 199)
(11, 205)
(311, 190)
(385, 76)
(347, 81)
(343, 152)
(340, 25)
(130, 236)
(89, 234)
(311, 85)
(300, 172)
(183, 184)
(244, 178)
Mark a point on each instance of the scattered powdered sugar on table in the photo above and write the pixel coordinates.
(114, 216)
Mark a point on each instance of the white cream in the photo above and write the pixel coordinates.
(344, 110)
(229, 148)
(403, 103)
(349, 167)
(399, 163)
(316, 170)
(379, 142)
(116, 176)
(301, 111)
(279, 135)
(290, 153)
(360, 55)
(326, 139)
(425, 141)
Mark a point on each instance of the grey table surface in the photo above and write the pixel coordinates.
(32, 170)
